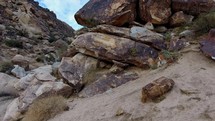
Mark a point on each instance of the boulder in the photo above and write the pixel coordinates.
(193, 7)
(74, 70)
(146, 36)
(109, 48)
(113, 12)
(6, 85)
(179, 19)
(139, 34)
(208, 44)
(154, 11)
(157, 88)
(21, 61)
(107, 82)
(18, 71)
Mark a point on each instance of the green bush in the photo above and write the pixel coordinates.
(204, 22)
(13, 43)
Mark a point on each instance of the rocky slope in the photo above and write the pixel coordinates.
(122, 41)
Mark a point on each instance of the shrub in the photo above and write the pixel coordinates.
(45, 108)
(6, 67)
(13, 43)
(204, 22)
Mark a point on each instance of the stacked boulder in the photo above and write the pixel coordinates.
(113, 40)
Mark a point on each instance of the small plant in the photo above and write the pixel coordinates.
(6, 67)
(167, 36)
(133, 51)
(22, 33)
(45, 108)
(204, 22)
(170, 55)
(52, 38)
(13, 43)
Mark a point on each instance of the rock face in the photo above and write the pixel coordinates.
(114, 12)
(109, 48)
(155, 11)
(157, 88)
(74, 70)
(193, 7)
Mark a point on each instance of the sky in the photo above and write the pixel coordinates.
(64, 9)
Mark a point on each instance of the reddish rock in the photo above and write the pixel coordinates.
(154, 11)
(157, 88)
(113, 12)
(193, 7)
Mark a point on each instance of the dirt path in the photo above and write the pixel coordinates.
(192, 98)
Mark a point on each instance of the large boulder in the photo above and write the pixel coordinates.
(6, 85)
(139, 34)
(109, 48)
(155, 11)
(114, 12)
(193, 7)
(75, 70)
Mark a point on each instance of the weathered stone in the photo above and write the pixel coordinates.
(12, 112)
(208, 44)
(156, 89)
(74, 70)
(179, 19)
(149, 37)
(6, 85)
(113, 12)
(193, 7)
(107, 82)
(177, 44)
(109, 48)
(113, 30)
(161, 29)
(156, 12)
(187, 34)
(18, 71)
(149, 26)
(21, 61)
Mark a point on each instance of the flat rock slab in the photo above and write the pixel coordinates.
(109, 48)
(113, 12)
(106, 82)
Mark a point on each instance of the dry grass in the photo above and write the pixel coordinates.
(45, 108)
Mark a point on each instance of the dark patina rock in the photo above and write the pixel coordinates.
(157, 88)
(155, 11)
(109, 48)
(208, 44)
(113, 12)
(107, 82)
(193, 7)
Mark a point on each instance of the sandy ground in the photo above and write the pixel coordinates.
(192, 98)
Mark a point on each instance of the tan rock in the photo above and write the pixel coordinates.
(156, 12)
(21, 61)
(74, 70)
